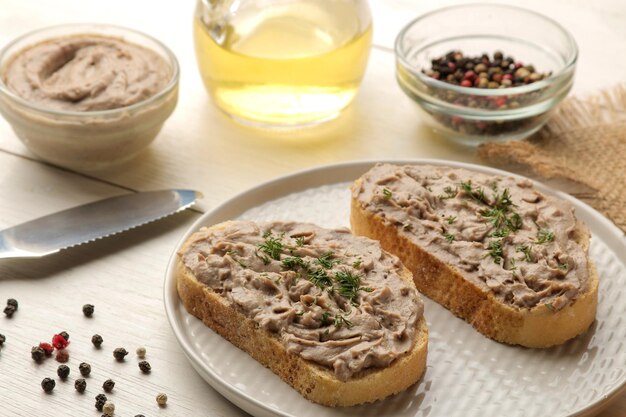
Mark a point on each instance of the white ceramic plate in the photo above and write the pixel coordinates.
(468, 375)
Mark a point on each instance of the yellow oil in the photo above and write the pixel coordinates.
(293, 64)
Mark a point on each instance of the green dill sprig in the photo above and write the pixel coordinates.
(451, 219)
(325, 260)
(233, 254)
(319, 278)
(475, 194)
(526, 250)
(544, 235)
(449, 193)
(349, 285)
(449, 237)
(495, 250)
(300, 241)
(325, 320)
(387, 193)
(272, 246)
(342, 321)
(357, 264)
(293, 262)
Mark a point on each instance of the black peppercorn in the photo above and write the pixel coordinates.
(12, 302)
(9, 310)
(96, 339)
(80, 385)
(120, 353)
(48, 384)
(88, 310)
(62, 356)
(65, 335)
(63, 371)
(145, 367)
(84, 368)
(100, 400)
(108, 385)
(37, 353)
(140, 415)
(2, 339)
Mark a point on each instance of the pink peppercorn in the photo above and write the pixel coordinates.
(469, 75)
(466, 83)
(59, 341)
(507, 77)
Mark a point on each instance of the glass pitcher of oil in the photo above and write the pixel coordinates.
(282, 63)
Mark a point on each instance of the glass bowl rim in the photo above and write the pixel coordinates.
(431, 82)
(171, 84)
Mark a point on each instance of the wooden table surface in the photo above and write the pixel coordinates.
(198, 148)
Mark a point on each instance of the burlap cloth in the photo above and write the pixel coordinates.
(584, 142)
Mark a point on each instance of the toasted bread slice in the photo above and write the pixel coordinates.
(447, 283)
(315, 382)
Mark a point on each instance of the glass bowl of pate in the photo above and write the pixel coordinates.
(87, 96)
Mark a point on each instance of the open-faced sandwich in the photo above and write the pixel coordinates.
(496, 252)
(332, 314)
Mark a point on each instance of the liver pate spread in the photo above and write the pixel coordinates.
(86, 73)
(498, 232)
(333, 298)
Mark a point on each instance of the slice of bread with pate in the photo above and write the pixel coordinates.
(332, 314)
(493, 250)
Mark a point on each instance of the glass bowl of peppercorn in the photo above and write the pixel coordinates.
(485, 72)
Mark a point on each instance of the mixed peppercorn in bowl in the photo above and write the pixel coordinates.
(481, 75)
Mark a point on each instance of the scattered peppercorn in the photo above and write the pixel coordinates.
(161, 399)
(84, 368)
(13, 303)
(140, 415)
(63, 371)
(141, 352)
(2, 339)
(80, 385)
(59, 342)
(48, 384)
(108, 385)
(9, 310)
(96, 339)
(47, 348)
(37, 353)
(101, 399)
(65, 335)
(108, 408)
(62, 356)
(120, 353)
(88, 310)
(145, 367)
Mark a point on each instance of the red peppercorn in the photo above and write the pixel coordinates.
(457, 120)
(507, 77)
(469, 75)
(500, 101)
(496, 77)
(518, 65)
(59, 341)
(47, 348)
(452, 65)
(466, 83)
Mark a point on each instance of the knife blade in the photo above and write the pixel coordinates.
(75, 226)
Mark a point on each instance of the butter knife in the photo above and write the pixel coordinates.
(50, 234)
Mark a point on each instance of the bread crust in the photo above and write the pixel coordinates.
(315, 382)
(537, 327)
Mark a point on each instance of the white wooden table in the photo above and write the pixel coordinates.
(198, 148)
